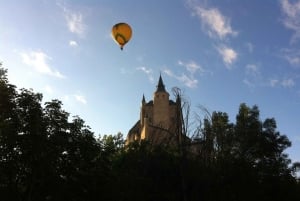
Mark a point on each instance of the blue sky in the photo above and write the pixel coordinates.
(221, 53)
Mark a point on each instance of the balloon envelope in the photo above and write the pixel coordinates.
(121, 33)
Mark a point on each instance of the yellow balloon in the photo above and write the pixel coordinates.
(121, 33)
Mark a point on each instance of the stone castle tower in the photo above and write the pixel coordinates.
(159, 119)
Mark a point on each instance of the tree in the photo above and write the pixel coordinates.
(45, 156)
(42, 154)
(8, 136)
(31, 140)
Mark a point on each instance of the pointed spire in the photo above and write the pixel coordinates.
(160, 86)
(143, 100)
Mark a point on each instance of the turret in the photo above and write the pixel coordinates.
(142, 113)
(161, 105)
(161, 95)
(160, 86)
(143, 100)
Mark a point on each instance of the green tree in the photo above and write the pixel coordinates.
(8, 136)
(32, 139)
(45, 156)
(42, 154)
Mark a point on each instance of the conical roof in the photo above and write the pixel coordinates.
(160, 86)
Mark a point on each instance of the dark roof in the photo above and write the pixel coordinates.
(160, 86)
(171, 102)
(135, 128)
(143, 100)
(150, 103)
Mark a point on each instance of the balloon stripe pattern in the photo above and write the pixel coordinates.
(122, 38)
(121, 33)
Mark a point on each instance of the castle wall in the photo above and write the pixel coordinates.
(157, 118)
(145, 130)
(161, 109)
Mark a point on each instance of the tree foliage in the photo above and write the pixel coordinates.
(46, 156)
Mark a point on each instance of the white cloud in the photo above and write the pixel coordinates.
(147, 71)
(273, 82)
(288, 83)
(228, 55)
(294, 60)
(187, 77)
(217, 26)
(248, 83)
(39, 61)
(80, 99)
(74, 21)
(292, 56)
(72, 100)
(192, 66)
(189, 81)
(169, 72)
(252, 69)
(292, 17)
(213, 21)
(253, 76)
(73, 43)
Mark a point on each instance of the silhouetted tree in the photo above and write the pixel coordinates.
(8, 137)
(46, 156)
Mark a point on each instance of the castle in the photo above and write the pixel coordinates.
(160, 119)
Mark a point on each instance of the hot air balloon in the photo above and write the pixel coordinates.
(121, 33)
